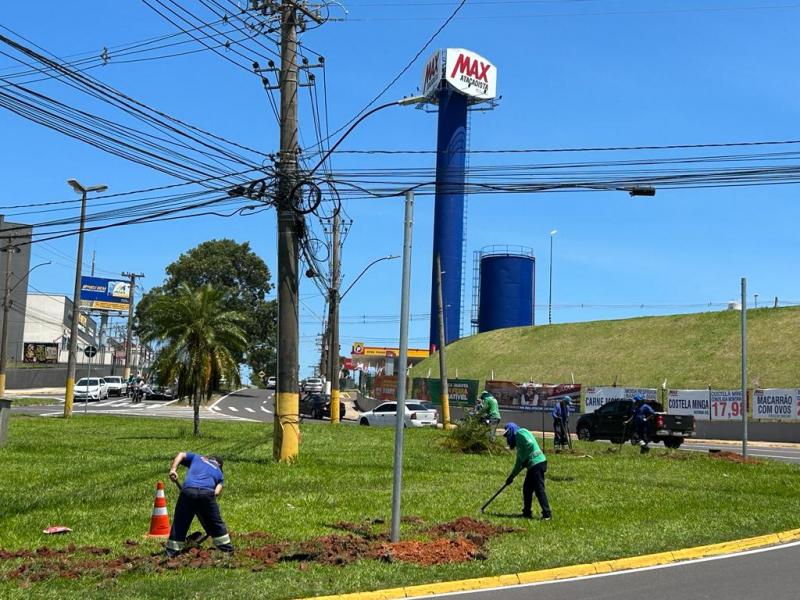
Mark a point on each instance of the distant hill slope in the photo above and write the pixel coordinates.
(689, 351)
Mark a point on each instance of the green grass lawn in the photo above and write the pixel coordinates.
(689, 351)
(97, 475)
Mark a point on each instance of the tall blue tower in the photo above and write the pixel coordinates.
(454, 79)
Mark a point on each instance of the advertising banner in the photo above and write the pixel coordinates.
(776, 404)
(689, 402)
(726, 405)
(385, 387)
(533, 396)
(98, 293)
(462, 392)
(35, 352)
(595, 397)
(432, 75)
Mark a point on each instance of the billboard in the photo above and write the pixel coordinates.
(533, 396)
(595, 397)
(461, 392)
(432, 75)
(98, 293)
(776, 404)
(470, 74)
(34, 352)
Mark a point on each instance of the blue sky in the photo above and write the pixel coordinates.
(571, 74)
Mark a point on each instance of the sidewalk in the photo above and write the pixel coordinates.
(33, 392)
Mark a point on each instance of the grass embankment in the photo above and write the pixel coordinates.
(689, 351)
(97, 474)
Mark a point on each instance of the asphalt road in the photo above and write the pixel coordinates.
(769, 573)
(783, 454)
(259, 405)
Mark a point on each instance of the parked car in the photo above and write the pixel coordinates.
(93, 388)
(313, 384)
(608, 423)
(271, 383)
(116, 387)
(417, 415)
(157, 392)
(317, 406)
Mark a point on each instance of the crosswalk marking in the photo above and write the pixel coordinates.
(248, 409)
(266, 410)
(233, 408)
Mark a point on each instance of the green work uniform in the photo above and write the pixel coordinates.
(490, 408)
(528, 452)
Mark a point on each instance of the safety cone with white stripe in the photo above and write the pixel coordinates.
(159, 521)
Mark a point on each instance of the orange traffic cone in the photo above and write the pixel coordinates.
(159, 521)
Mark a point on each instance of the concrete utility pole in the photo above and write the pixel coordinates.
(6, 309)
(76, 297)
(333, 322)
(129, 335)
(445, 391)
(744, 367)
(286, 436)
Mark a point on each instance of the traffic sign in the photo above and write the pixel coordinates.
(90, 351)
(261, 374)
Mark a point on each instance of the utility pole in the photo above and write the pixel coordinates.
(6, 309)
(445, 391)
(126, 373)
(286, 432)
(744, 367)
(333, 322)
(76, 297)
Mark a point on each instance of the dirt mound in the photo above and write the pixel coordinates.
(435, 552)
(734, 457)
(457, 541)
(466, 526)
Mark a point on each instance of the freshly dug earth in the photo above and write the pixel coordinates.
(734, 457)
(460, 540)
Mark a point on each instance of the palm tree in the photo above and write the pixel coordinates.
(200, 340)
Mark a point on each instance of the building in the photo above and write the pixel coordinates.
(15, 259)
(48, 319)
(375, 359)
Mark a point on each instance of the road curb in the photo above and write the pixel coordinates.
(555, 574)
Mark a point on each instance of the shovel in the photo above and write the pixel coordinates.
(497, 493)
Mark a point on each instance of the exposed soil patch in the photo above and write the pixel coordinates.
(734, 457)
(465, 526)
(434, 552)
(460, 540)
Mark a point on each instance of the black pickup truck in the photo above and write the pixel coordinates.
(608, 423)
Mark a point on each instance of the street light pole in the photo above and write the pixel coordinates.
(550, 300)
(76, 297)
(399, 426)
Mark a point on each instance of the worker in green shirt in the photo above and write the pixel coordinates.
(490, 412)
(530, 457)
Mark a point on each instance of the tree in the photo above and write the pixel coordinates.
(201, 339)
(244, 280)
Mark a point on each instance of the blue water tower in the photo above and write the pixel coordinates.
(506, 287)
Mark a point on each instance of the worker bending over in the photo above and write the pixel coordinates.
(198, 497)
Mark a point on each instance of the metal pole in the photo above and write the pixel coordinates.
(550, 291)
(333, 324)
(443, 383)
(286, 431)
(76, 304)
(402, 368)
(744, 367)
(126, 373)
(88, 382)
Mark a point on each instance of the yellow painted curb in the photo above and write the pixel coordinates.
(597, 568)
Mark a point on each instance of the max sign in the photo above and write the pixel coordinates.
(465, 71)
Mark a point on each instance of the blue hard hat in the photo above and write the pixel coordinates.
(511, 431)
(638, 398)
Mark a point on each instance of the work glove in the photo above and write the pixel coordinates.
(509, 480)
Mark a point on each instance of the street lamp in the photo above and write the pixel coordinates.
(365, 269)
(6, 309)
(76, 298)
(550, 300)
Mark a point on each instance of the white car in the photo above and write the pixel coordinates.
(271, 382)
(115, 385)
(94, 388)
(313, 384)
(418, 414)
